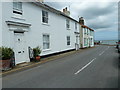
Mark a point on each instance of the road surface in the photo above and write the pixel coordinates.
(91, 68)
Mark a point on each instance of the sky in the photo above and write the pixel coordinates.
(101, 16)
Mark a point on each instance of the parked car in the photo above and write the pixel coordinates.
(119, 53)
(117, 45)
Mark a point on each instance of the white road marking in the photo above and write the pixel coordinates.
(104, 51)
(84, 66)
(101, 53)
(107, 48)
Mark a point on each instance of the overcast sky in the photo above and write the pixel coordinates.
(100, 16)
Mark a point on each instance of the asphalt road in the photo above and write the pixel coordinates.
(91, 68)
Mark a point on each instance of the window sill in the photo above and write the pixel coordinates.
(68, 45)
(44, 50)
(45, 24)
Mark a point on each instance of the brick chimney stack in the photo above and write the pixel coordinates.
(81, 20)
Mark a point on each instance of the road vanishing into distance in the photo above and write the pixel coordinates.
(90, 68)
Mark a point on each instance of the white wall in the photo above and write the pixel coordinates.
(1, 24)
(56, 28)
(82, 30)
(32, 14)
(0, 38)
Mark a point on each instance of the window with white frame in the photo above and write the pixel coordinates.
(68, 40)
(17, 8)
(46, 41)
(85, 30)
(44, 16)
(75, 26)
(85, 41)
(91, 41)
(67, 23)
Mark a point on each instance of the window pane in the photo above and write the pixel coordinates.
(68, 40)
(43, 19)
(44, 16)
(43, 38)
(46, 43)
(19, 6)
(75, 25)
(43, 13)
(46, 20)
(15, 5)
(44, 46)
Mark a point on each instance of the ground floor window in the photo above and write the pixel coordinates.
(85, 41)
(46, 41)
(91, 41)
(68, 40)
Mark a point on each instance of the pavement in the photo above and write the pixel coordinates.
(27, 65)
(88, 68)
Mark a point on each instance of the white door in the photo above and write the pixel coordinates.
(19, 48)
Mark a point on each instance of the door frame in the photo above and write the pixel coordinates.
(16, 48)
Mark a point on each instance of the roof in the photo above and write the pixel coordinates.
(58, 12)
(84, 26)
(53, 10)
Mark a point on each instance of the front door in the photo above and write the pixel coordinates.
(19, 48)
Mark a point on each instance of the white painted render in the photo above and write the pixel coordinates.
(1, 24)
(86, 38)
(32, 15)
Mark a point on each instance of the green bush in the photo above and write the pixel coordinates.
(5, 53)
(36, 51)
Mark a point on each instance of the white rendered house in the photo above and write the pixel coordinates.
(86, 35)
(30, 24)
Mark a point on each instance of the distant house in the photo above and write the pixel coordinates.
(29, 24)
(86, 35)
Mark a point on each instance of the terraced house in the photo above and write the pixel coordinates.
(26, 25)
(86, 35)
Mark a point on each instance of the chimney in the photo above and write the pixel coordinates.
(81, 20)
(41, 1)
(65, 11)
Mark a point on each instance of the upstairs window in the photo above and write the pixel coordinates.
(17, 8)
(44, 16)
(85, 31)
(68, 40)
(68, 24)
(75, 26)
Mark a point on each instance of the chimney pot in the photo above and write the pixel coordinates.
(66, 8)
(81, 20)
(65, 11)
